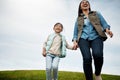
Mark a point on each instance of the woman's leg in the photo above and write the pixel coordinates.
(87, 59)
(97, 51)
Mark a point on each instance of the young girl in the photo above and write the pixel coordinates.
(54, 48)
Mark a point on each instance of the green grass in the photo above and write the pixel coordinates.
(41, 75)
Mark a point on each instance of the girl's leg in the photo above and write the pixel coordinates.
(87, 59)
(55, 67)
(97, 50)
(48, 67)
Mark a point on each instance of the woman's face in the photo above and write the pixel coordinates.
(85, 5)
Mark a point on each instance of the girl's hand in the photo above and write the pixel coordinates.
(75, 45)
(44, 52)
(109, 33)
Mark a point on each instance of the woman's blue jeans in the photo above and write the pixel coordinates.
(52, 62)
(91, 49)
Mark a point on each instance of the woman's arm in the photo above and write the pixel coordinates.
(75, 36)
(75, 32)
(104, 24)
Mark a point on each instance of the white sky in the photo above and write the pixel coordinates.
(25, 25)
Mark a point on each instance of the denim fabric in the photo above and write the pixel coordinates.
(88, 29)
(91, 49)
(52, 63)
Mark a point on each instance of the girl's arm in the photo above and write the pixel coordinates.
(44, 47)
(44, 52)
(69, 46)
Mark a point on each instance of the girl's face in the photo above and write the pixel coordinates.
(85, 5)
(58, 28)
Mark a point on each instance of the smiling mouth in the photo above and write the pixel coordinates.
(57, 29)
(85, 5)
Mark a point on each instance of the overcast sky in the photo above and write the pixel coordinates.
(25, 25)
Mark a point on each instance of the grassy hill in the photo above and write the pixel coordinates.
(40, 75)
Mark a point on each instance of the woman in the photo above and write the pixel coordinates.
(89, 34)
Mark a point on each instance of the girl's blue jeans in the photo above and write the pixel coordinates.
(52, 62)
(91, 49)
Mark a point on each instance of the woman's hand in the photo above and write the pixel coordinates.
(75, 45)
(109, 33)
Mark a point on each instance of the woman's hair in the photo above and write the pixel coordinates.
(58, 24)
(80, 10)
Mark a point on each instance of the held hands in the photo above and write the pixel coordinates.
(109, 33)
(75, 45)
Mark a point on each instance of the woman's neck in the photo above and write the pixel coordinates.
(86, 12)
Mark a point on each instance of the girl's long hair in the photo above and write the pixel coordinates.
(80, 10)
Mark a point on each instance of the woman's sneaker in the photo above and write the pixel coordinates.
(98, 77)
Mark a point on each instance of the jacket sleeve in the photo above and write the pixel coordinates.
(103, 21)
(75, 32)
